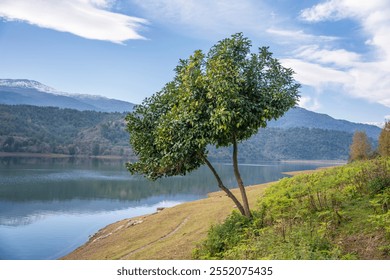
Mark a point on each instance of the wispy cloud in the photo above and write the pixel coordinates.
(85, 18)
(289, 36)
(316, 75)
(332, 57)
(209, 17)
(320, 60)
(329, 10)
(364, 75)
(322, 69)
(309, 103)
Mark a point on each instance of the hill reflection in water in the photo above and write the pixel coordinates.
(49, 207)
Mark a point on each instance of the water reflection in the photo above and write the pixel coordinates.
(48, 207)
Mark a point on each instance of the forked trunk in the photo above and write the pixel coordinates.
(237, 174)
(225, 189)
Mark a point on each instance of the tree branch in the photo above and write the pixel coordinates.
(239, 179)
(222, 186)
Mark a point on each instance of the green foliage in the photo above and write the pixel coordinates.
(223, 235)
(374, 177)
(220, 99)
(315, 216)
(217, 99)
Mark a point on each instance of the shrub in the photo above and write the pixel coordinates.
(222, 237)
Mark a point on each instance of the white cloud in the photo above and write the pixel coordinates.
(298, 35)
(340, 9)
(373, 16)
(324, 11)
(204, 17)
(309, 103)
(315, 75)
(84, 18)
(337, 57)
(364, 76)
(370, 81)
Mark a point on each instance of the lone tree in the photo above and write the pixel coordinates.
(360, 147)
(384, 140)
(220, 99)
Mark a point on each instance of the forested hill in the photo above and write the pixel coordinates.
(299, 117)
(25, 128)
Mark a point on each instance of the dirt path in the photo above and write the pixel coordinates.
(155, 241)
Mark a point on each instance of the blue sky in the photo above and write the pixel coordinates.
(339, 49)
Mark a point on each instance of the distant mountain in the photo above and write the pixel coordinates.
(29, 92)
(299, 117)
(299, 134)
(26, 128)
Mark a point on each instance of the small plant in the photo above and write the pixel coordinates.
(374, 178)
(222, 237)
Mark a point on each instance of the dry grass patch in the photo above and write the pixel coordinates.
(169, 234)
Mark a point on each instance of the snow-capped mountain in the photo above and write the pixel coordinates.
(30, 92)
(27, 84)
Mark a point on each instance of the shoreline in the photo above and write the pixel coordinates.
(336, 162)
(33, 155)
(171, 233)
(52, 155)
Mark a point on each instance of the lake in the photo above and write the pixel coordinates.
(49, 207)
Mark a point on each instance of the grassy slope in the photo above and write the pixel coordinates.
(338, 213)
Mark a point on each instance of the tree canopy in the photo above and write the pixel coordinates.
(360, 148)
(219, 98)
(384, 140)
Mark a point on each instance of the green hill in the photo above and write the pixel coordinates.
(338, 213)
(299, 117)
(299, 143)
(33, 129)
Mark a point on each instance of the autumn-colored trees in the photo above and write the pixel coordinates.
(384, 141)
(360, 148)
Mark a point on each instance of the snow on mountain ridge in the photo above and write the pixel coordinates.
(30, 84)
(82, 95)
(30, 92)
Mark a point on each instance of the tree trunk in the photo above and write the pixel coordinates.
(237, 174)
(225, 189)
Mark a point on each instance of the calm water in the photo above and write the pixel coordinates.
(49, 207)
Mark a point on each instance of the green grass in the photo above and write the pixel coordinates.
(338, 213)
